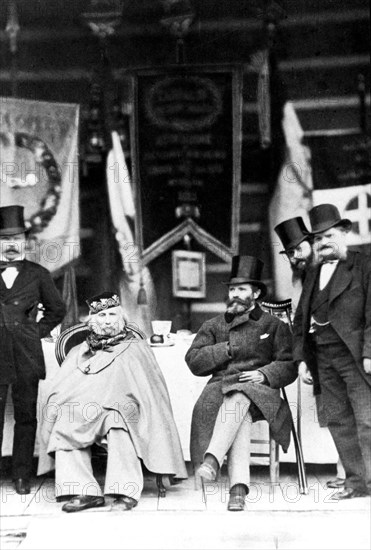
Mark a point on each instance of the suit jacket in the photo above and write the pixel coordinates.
(258, 341)
(20, 346)
(349, 312)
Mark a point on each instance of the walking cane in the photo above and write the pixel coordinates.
(303, 484)
(302, 477)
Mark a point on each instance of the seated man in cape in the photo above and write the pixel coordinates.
(109, 391)
(248, 354)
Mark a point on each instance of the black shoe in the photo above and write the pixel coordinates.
(237, 496)
(64, 498)
(126, 503)
(22, 486)
(83, 502)
(349, 493)
(337, 483)
(236, 503)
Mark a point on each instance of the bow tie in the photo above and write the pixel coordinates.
(17, 264)
(329, 262)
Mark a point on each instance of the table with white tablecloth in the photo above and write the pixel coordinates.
(184, 390)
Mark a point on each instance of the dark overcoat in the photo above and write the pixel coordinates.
(20, 346)
(258, 341)
(349, 312)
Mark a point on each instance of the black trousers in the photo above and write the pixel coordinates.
(24, 395)
(347, 405)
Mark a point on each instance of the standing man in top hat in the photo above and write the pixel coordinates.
(296, 241)
(332, 343)
(297, 244)
(23, 286)
(248, 354)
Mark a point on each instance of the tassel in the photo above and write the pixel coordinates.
(142, 295)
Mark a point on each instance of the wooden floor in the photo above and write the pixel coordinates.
(275, 517)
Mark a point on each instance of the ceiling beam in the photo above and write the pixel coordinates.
(328, 62)
(68, 74)
(130, 30)
(318, 104)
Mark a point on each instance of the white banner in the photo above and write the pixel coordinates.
(292, 197)
(354, 203)
(39, 170)
(122, 208)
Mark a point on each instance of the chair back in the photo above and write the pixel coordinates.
(76, 335)
(282, 310)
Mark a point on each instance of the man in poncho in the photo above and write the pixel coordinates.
(109, 391)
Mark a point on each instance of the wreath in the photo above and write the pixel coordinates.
(49, 203)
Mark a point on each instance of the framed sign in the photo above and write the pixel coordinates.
(187, 156)
(189, 274)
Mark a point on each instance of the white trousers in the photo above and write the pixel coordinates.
(74, 473)
(232, 437)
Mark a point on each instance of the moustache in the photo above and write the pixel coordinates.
(232, 301)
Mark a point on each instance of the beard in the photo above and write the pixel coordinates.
(236, 306)
(299, 268)
(102, 332)
(299, 265)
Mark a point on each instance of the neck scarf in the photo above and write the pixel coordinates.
(103, 342)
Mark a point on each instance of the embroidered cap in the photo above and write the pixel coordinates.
(103, 301)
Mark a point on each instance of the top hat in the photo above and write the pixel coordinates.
(247, 269)
(292, 232)
(325, 216)
(11, 220)
(103, 301)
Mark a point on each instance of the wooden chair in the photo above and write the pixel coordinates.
(283, 310)
(74, 336)
(273, 455)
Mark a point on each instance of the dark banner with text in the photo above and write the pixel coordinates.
(188, 150)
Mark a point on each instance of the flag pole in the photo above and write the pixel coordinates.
(12, 30)
(362, 103)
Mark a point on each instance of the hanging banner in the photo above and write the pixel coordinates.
(39, 170)
(187, 156)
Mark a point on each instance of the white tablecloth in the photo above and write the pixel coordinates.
(185, 388)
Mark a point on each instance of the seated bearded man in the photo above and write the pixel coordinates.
(109, 391)
(248, 354)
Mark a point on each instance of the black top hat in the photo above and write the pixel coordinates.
(247, 269)
(292, 232)
(11, 220)
(325, 216)
(102, 301)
